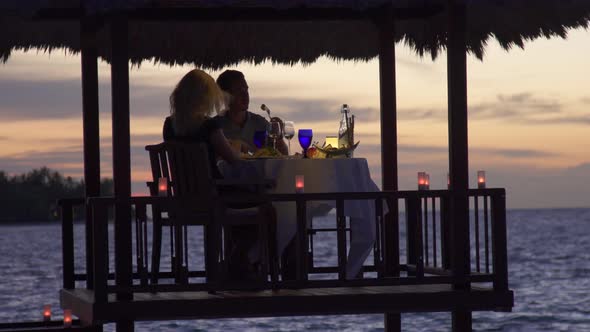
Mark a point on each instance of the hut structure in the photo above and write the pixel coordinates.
(218, 33)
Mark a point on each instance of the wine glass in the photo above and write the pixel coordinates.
(274, 132)
(289, 132)
(259, 138)
(305, 136)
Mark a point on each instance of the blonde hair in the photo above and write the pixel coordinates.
(194, 98)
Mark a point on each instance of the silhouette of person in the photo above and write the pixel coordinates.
(237, 122)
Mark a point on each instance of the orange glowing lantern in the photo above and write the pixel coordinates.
(427, 181)
(46, 313)
(67, 317)
(163, 187)
(481, 179)
(421, 180)
(299, 183)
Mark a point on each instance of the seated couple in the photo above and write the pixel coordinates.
(192, 103)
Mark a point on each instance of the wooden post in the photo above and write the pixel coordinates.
(121, 160)
(387, 92)
(458, 154)
(89, 27)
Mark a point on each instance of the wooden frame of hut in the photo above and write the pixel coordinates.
(124, 31)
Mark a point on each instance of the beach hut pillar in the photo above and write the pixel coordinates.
(121, 160)
(90, 127)
(388, 105)
(458, 154)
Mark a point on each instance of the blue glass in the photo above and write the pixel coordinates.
(259, 138)
(305, 136)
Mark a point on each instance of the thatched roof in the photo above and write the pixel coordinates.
(287, 31)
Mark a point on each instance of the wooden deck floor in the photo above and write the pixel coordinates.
(284, 302)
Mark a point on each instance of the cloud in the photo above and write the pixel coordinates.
(524, 108)
(516, 153)
(59, 99)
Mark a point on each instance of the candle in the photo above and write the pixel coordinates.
(163, 187)
(299, 183)
(427, 181)
(67, 317)
(421, 180)
(46, 313)
(481, 179)
(332, 141)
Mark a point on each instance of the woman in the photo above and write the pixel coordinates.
(194, 99)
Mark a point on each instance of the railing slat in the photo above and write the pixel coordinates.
(100, 248)
(499, 246)
(341, 239)
(425, 230)
(378, 246)
(434, 251)
(67, 236)
(301, 238)
(476, 221)
(486, 235)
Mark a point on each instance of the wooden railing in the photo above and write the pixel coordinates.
(428, 233)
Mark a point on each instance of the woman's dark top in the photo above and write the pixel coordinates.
(203, 135)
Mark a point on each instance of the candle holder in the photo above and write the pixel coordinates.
(163, 187)
(46, 313)
(481, 179)
(299, 184)
(421, 180)
(67, 317)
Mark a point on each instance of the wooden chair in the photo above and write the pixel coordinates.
(187, 170)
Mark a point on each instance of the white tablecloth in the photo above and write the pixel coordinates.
(322, 175)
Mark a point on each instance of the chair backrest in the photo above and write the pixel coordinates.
(186, 166)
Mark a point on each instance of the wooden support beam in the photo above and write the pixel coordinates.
(90, 127)
(458, 140)
(388, 103)
(458, 154)
(121, 160)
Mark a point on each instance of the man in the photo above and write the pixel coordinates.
(238, 123)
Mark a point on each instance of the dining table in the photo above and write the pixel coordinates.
(329, 175)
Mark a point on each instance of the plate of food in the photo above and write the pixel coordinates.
(264, 153)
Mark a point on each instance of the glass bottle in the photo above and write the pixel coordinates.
(343, 130)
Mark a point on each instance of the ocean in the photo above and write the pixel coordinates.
(549, 271)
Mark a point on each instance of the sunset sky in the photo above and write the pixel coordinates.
(528, 111)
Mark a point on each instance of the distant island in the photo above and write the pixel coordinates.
(33, 196)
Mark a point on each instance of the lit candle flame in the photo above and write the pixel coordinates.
(47, 312)
(162, 187)
(67, 318)
(481, 179)
(299, 183)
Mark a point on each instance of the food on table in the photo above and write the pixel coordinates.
(333, 152)
(267, 152)
(312, 152)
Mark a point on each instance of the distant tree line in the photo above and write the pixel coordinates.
(33, 196)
